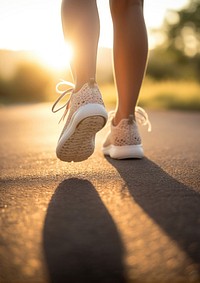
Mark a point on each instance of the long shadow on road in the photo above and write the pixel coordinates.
(81, 242)
(174, 206)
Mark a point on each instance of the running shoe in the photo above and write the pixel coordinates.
(85, 115)
(123, 141)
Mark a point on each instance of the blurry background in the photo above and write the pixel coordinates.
(34, 56)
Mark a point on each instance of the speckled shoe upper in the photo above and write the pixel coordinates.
(123, 141)
(85, 115)
(88, 94)
(125, 133)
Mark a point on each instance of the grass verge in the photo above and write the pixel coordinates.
(179, 95)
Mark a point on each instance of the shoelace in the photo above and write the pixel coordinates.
(69, 92)
(140, 115)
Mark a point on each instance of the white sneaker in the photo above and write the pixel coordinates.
(85, 115)
(123, 141)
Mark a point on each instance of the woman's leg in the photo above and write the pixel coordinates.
(80, 21)
(85, 112)
(130, 53)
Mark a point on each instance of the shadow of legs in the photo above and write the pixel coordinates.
(172, 205)
(81, 242)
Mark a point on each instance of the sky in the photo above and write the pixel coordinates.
(36, 24)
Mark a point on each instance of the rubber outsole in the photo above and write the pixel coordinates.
(77, 142)
(124, 152)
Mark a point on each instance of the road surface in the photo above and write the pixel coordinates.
(100, 220)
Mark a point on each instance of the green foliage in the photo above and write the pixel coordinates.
(168, 64)
(179, 56)
(188, 25)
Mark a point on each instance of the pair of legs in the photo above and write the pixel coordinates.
(81, 28)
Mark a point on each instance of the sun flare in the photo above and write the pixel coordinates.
(55, 57)
(45, 35)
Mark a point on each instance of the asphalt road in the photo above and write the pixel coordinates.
(100, 220)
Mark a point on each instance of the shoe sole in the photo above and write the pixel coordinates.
(124, 152)
(78, 140)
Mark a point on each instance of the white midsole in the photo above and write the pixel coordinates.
(123, 152)
(85, 111)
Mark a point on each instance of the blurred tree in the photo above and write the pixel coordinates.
(30, 83)
(178, 56)
(184, 34)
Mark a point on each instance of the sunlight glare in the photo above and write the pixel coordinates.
(55, 58)
(27, 33)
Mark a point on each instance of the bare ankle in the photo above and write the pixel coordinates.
(120, 116)
(80, 84)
